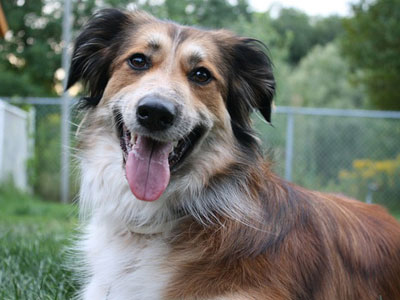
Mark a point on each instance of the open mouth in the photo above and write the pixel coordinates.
(179, 150)
(149, 162)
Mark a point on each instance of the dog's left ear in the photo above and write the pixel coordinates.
(252, 84)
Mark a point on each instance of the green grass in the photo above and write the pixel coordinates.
(34, 236)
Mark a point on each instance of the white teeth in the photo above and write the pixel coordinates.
(174, 144)
(171, 149)
(133, 139)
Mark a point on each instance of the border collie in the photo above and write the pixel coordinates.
(178, 200)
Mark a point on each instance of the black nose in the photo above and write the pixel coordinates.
(156, 113)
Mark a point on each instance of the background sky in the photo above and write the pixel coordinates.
(311, 7)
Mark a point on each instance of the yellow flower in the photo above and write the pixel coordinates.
(360, 163)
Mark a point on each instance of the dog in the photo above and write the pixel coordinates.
(178, 201)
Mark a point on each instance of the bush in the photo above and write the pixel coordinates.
(383, 176)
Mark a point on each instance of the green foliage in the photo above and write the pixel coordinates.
(372, 44)
(23, 87)
(31, 52)
(303, 32)
(327, 29)
(34, 236)
(322, 80)
(383, 176)
(295, 25)
(207, 13)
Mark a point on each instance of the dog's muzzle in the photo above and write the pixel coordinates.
(149, 159)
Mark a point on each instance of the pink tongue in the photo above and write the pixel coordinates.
(147, 168)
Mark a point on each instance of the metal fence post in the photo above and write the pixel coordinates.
(372, 187)
(289, 146)
(65, 109)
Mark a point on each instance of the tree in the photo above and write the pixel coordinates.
(31, 51)
(372, 44)
(207, 13)
(322, 80)
(295, 26)
(327, 29)
(303, 32)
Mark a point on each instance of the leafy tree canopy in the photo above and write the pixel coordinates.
(206, 13)
(322, 80)
(304, 32)
(31, 52)
(372, 43)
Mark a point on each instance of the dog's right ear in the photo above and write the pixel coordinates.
(251, 83)
(94, 51)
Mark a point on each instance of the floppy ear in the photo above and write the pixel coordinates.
(95, 49)
(251, 86)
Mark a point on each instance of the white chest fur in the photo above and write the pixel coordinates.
(123, 265)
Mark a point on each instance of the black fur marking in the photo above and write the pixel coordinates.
(95, 49)
(251, 85)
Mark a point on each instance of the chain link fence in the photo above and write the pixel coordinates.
(352, 152)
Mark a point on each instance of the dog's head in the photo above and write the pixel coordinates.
(176, 100)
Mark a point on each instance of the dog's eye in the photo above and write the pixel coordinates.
(139, 62)
(200, 75)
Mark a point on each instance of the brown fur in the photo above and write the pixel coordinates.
(331, 248)
(300, 244)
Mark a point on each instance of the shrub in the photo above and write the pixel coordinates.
(383, 176)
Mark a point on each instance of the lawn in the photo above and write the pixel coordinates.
(34, 236)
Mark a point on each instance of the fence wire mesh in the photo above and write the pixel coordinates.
(347, 154)
(338, 151)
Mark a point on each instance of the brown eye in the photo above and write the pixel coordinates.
(139, 62)
(201, 76)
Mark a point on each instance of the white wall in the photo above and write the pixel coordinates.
(14, 144)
